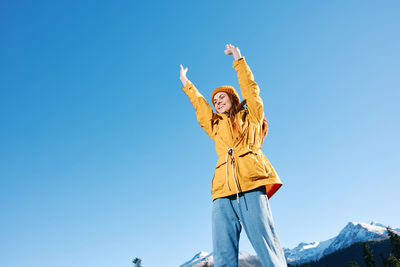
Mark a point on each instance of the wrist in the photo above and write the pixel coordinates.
(237, 56)
(184, 81)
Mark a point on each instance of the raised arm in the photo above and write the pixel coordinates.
(204, 112)
(249, 88)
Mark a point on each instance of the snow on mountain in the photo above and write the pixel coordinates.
(309, 251)
(356, 232)
(199, 259)
(353, 232)
(244, 255)
(245, 260)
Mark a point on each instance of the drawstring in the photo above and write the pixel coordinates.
(230, 152)
(227, 155)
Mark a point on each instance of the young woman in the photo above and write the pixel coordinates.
(244, 179)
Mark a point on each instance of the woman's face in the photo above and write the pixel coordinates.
(222, 102)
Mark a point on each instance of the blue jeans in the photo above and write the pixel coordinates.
(254, 214)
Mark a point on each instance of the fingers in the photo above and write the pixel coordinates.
(183, 70)
(230, 49)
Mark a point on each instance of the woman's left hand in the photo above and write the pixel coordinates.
(182, 75)
(232, 50)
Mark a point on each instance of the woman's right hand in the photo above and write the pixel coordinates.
(233, 50)
(182, 75)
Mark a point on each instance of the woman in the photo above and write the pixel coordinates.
(244, 179)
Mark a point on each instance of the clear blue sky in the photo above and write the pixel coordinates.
(102, 159)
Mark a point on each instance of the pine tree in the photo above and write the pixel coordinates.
(137, 262)
(206, 264)
(368, 256)
(384, 261)
(353, 264)
(392, 261)
(395, 242)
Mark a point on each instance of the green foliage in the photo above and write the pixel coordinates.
(392, 261)
(368, 256)
(137, 262)
(383, 259)
(206, 264)
(355, 254)
(395, 242)
(353, 264)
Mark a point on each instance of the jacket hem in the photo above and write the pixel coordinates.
(271, 189)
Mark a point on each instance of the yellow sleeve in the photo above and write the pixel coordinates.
(204, 112)
(249, 88)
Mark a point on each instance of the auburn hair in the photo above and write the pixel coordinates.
(235, 108)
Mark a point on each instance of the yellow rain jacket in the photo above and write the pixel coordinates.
(241, 166)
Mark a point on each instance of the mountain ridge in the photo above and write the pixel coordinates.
(352, 233)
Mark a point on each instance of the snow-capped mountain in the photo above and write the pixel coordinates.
(307, 251)
(199, 259)
(353, 232)
(245, 260)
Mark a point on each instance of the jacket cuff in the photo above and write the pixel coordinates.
(237, 62)
(186, 87)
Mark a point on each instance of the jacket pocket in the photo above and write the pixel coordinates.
(251, 166)
(219, 179)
